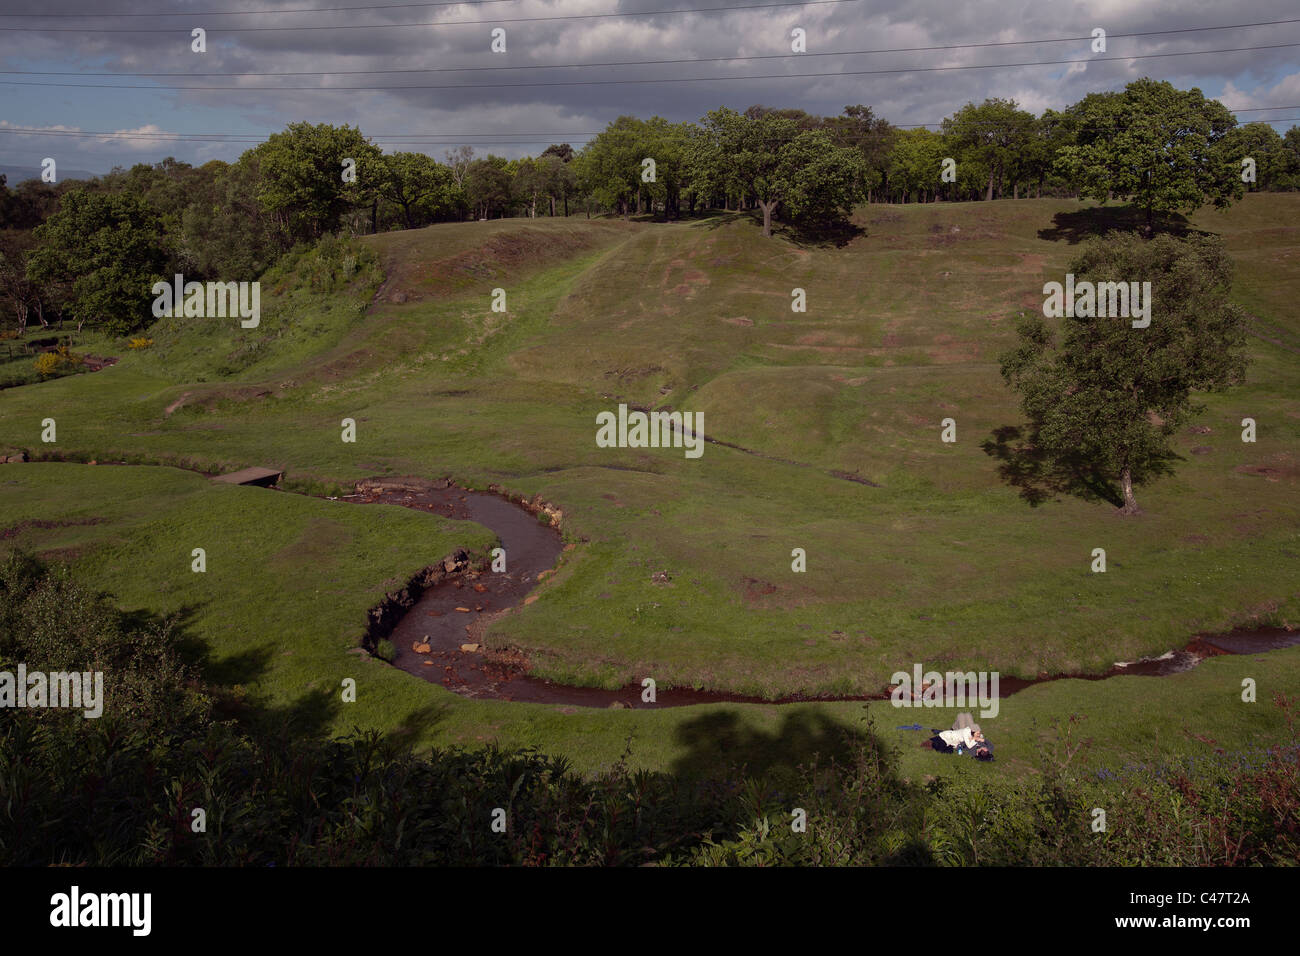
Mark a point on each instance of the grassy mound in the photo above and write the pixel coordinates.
(942, 563)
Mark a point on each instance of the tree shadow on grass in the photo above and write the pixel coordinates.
(193, 652)
(718, 218)
(806, 753)
(315, 713)
(820, 235)
(719, 740)
(245, 667)
(800, 233)
(682, 216)
(419, 721)
(1097, 221)
(312, 715)
(1042, 477)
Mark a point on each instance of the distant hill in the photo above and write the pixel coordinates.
(16, 174)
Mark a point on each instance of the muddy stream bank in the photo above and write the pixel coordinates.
(438, 620)
(438, 632)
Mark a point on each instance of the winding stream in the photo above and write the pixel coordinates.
(456, 611)
(438, 637)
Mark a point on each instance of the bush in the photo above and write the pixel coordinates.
(331, 264)
(47, 364)
(118, 790)
(385, 650)
(58, 362)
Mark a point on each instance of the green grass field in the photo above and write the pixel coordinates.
(943, 563)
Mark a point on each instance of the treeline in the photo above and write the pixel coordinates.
(124, 788)
(90, 251)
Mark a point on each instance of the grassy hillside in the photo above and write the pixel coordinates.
(939, 560)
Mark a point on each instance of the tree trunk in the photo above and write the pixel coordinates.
(989, 196)
(767, 216)
(1130, 502)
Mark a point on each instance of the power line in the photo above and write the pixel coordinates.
(611, 82)
(250, 13)
(463, 133)
(706, 59)
(458, 138)
(438, 23)
(258, 136)
(452, 138)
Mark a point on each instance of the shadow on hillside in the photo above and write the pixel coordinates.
(193, 652)
(716, 219)
(820, 235)
(310, 716)
(1093, 223)
(681, 216)
(718, 740)
(418, 721)
(242, 668)
(1041, 477)
(808, 757)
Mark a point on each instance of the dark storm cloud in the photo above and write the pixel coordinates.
(480, 104)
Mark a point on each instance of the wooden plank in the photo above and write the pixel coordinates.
(251, 476)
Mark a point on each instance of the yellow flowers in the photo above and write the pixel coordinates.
(58, 361)
(47, 364)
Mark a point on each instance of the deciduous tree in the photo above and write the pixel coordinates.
(1157, 145)
(108, 242)
(1111, 395)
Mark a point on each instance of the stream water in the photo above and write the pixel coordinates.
(454, 613)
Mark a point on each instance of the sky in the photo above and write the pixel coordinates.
(572, 66)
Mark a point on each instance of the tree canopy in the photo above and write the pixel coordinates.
(1108, 399)
(109, 244)
(301, 181)
(1155, 144)
(771, 158)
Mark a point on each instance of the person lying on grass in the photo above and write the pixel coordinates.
(963, 737)
(961, 740)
